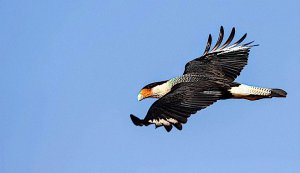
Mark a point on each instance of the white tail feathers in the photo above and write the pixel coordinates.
(255, 93)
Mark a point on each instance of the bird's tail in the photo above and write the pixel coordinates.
(278, 93)
(255, 93)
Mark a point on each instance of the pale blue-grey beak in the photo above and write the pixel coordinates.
(140, 97)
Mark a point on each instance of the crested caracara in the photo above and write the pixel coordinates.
(205, 80)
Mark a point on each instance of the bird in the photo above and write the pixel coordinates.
(206, 79)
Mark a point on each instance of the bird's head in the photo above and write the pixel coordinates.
(147, 91)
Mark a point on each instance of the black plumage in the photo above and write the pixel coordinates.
(205, 80)
(220, 62)
(182, 101)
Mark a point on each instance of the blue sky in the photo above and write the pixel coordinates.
(71, 70)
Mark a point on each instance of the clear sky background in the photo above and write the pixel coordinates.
(71, 70)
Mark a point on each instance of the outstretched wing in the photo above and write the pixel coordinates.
(222, 61)
(184, 99)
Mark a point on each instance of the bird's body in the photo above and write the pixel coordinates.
(205, 80)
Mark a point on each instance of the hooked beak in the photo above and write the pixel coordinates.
(140, 97)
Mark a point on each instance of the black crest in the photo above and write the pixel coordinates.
(151, 85)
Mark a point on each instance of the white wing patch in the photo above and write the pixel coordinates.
(166, 122)
(232, 49)
(171, 120)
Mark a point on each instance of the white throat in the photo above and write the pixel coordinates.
(161, 90)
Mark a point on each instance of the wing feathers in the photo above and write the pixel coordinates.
(220, 39)
(178, 126)
(240, 40)
(208, 44)
(136, 121)
(230, 38)
(224, 62)
(180, 103)
(168, 128)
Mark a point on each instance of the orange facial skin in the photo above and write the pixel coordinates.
(146, 93)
